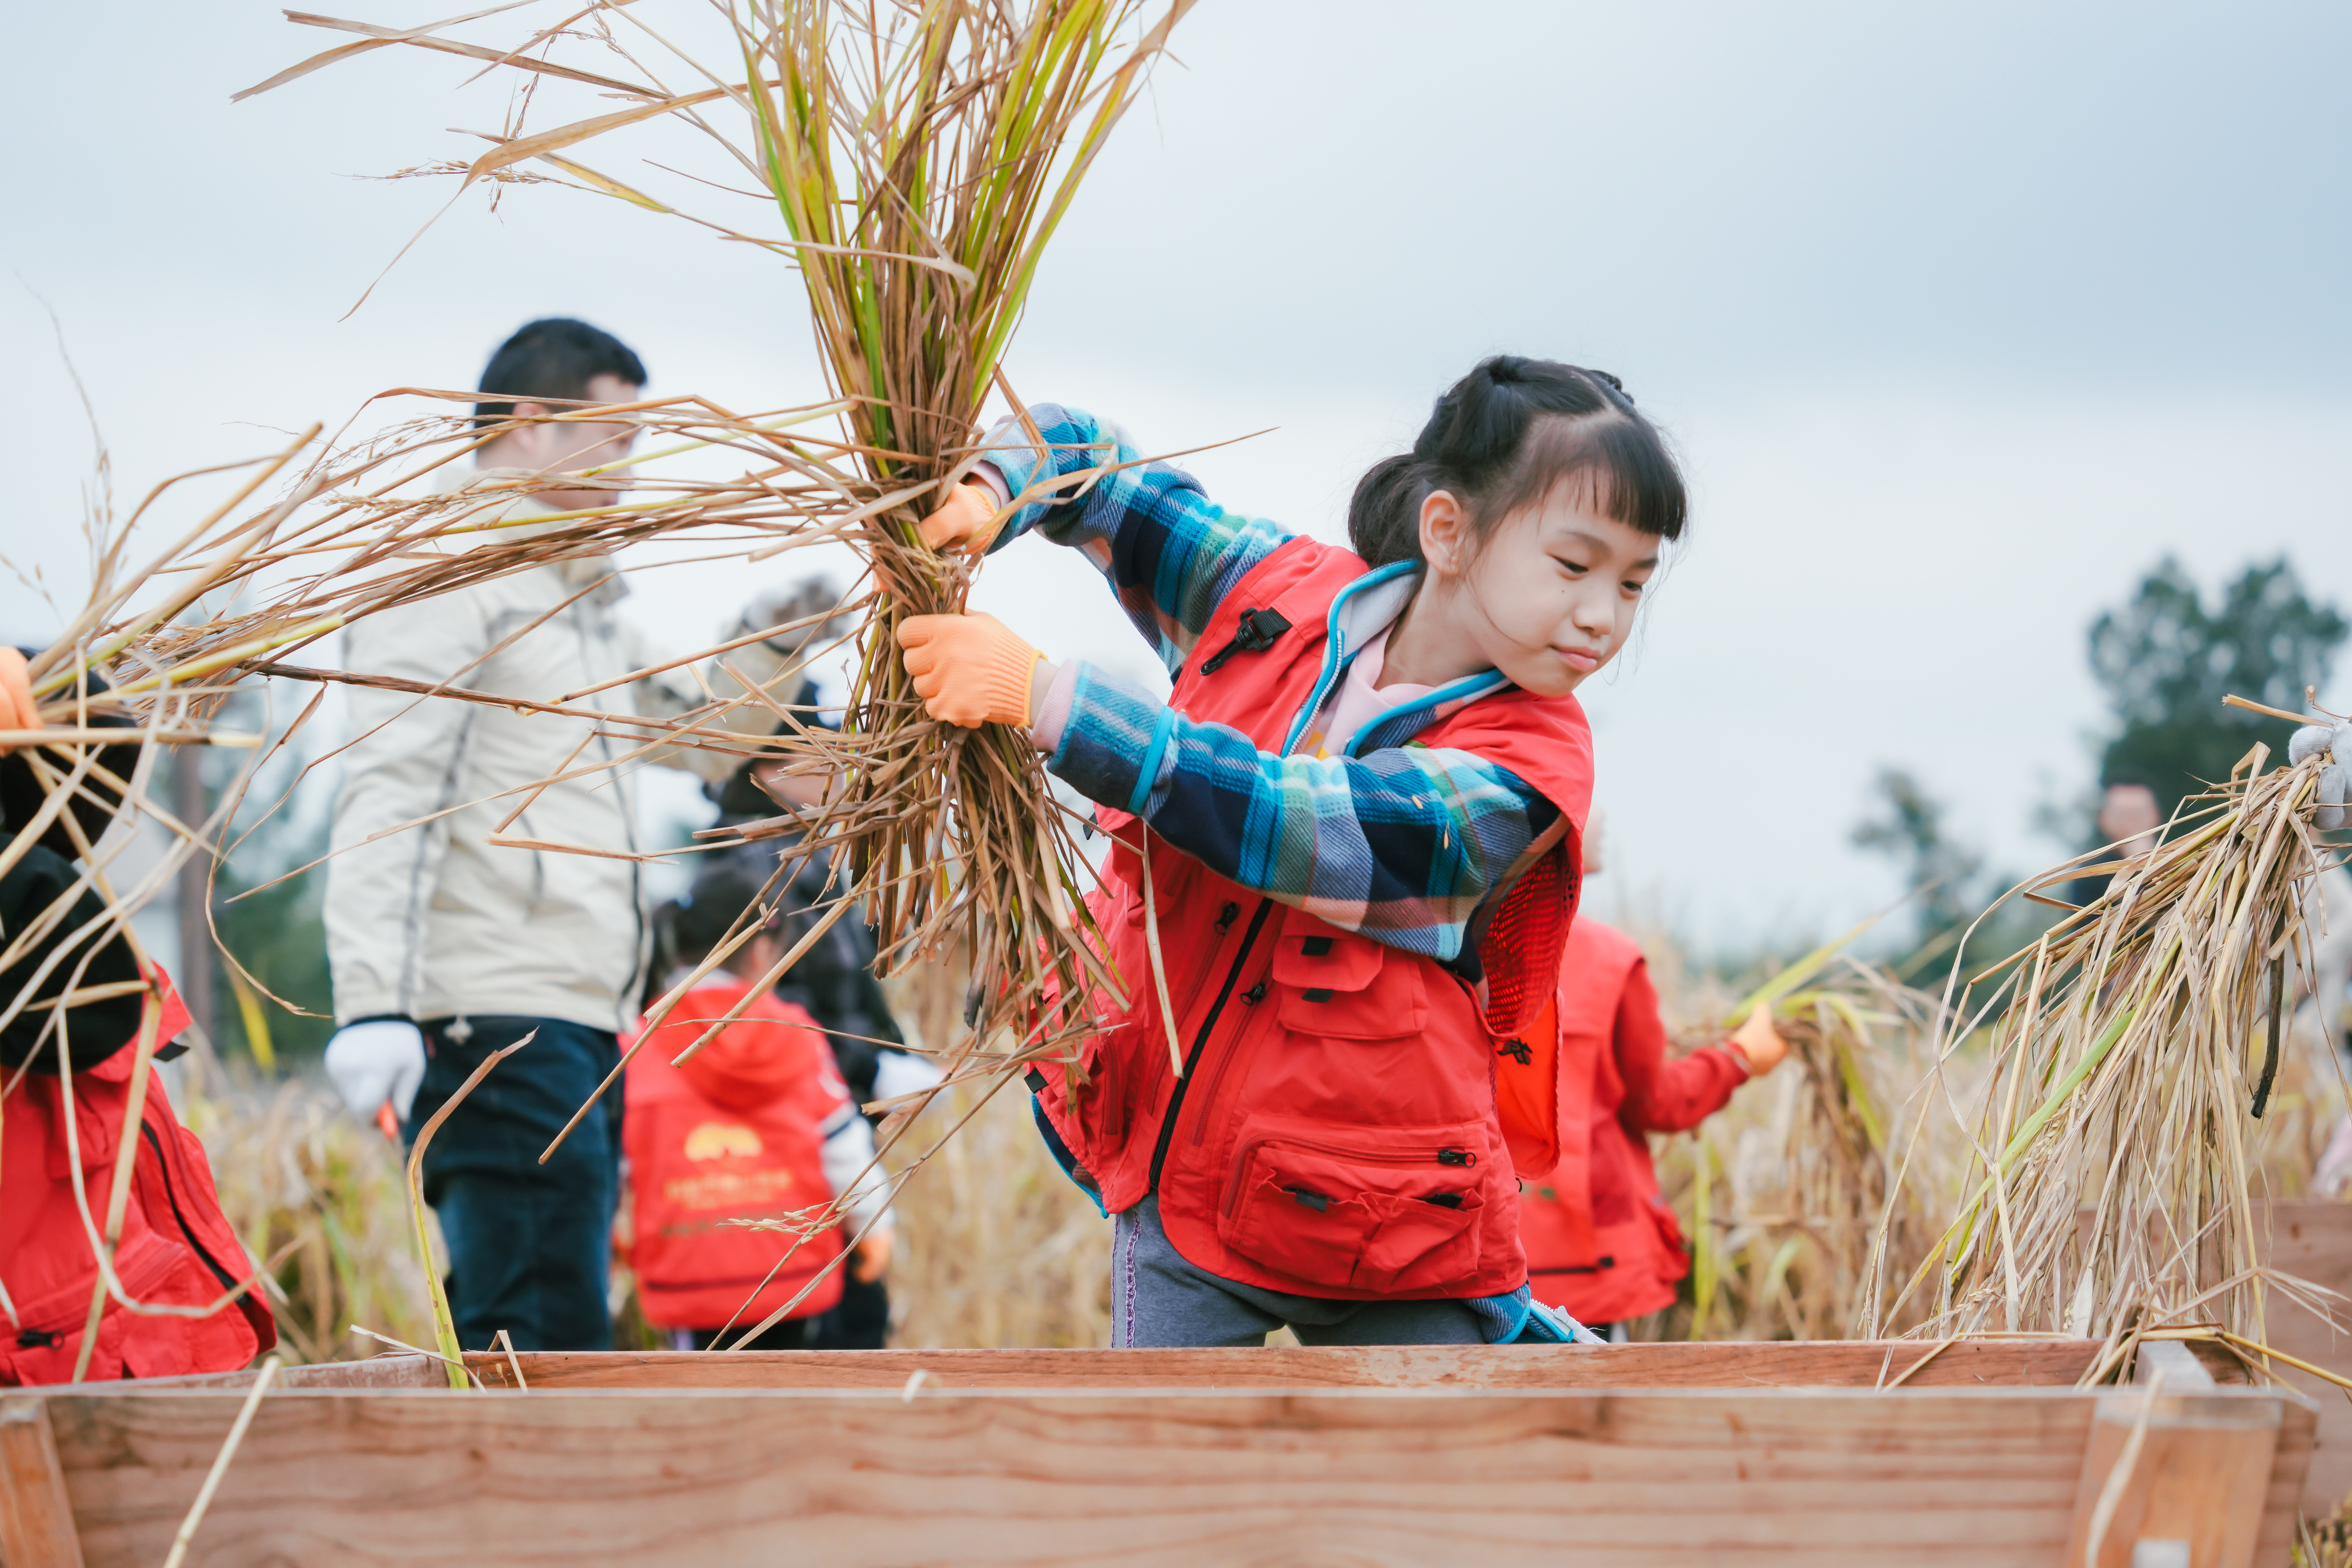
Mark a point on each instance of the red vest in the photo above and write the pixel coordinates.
(177, 1248)
(1336, 1132)
(1601, 1241)
(737, 1133)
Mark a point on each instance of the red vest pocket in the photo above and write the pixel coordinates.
(1390, 1209)
(1345, 987)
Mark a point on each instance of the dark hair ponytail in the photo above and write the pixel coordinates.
(1507, 434)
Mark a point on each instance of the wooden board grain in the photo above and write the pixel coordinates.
(36, 1521)
(1981, 1364)
(1827, 1363)
(2313, 1241)
(719, 1478)
(2283, 1511)
(2191, 1471)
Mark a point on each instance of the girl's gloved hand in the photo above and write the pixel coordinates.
(1759, 1042)
(969, 670)
(963, 521)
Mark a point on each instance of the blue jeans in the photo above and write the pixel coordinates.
(1159, 1297)
(531, 1246)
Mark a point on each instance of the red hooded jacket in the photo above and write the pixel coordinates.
(1602, 1244)
(1336, 1132)
(177, 1248)
(735, 1133)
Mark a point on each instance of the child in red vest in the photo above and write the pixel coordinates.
(1602, 1244)
(756, 1125)
(194, 1304)
(1361, 807)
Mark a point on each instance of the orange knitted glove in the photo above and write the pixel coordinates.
(963, 521)
(1761, 1046)
(17, 710)
(969, 670)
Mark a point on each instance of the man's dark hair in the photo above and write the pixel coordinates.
(555, 358)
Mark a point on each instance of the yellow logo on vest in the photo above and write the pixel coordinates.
(719, 1140)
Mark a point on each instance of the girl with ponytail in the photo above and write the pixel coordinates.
(1362, 804)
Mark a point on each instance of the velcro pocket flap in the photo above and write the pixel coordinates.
(1345, 986)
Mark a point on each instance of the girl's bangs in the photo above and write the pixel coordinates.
(1620, 465)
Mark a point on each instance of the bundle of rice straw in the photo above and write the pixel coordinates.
(2132, 1050)
(1786, 1187)
(919, 157)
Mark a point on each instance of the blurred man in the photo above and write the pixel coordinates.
(2128, 819)
(447, 945)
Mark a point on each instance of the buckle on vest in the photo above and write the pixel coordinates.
(1254, 633)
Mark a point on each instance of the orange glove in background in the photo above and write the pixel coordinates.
(1762, 1046)
(969, 670)
(17, 710)
(964, 520)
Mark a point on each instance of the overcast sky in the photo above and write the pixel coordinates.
(1961, 315)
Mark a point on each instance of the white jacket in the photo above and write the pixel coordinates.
(436, 920)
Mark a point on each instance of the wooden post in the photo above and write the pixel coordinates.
(36, 1521)
(2173, 1480)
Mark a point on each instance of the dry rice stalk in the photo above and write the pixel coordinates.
(919, 157)
(2115, 1152)
(1785, 1188)
(344, 540)
(317, 1192)
(997, 1249)
(2327, 1542)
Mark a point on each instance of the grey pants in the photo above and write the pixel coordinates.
(1159, 1300)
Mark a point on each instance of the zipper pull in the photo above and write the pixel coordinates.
(1456, 1157)
(1254, 995)
(1225, 918)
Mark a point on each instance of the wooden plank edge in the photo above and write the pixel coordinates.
(37, 1520)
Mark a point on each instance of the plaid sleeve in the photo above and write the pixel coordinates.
(1399, 845)
(1171, 552)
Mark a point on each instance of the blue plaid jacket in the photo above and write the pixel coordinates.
(1398, 841)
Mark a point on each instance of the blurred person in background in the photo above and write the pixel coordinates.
(176, 1249)
(446, 945)
(755, 1126)
(834, 979)
(1603, 1245)
(2128, 819)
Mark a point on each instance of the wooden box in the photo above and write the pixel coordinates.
(1650, 1455)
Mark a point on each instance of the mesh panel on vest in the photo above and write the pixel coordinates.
(1520, 949)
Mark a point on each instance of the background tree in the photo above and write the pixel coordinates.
(1939, 872)
(1946, 878)
(2165, 662)
(279, 933)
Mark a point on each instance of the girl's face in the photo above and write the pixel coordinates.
(1548, 601)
